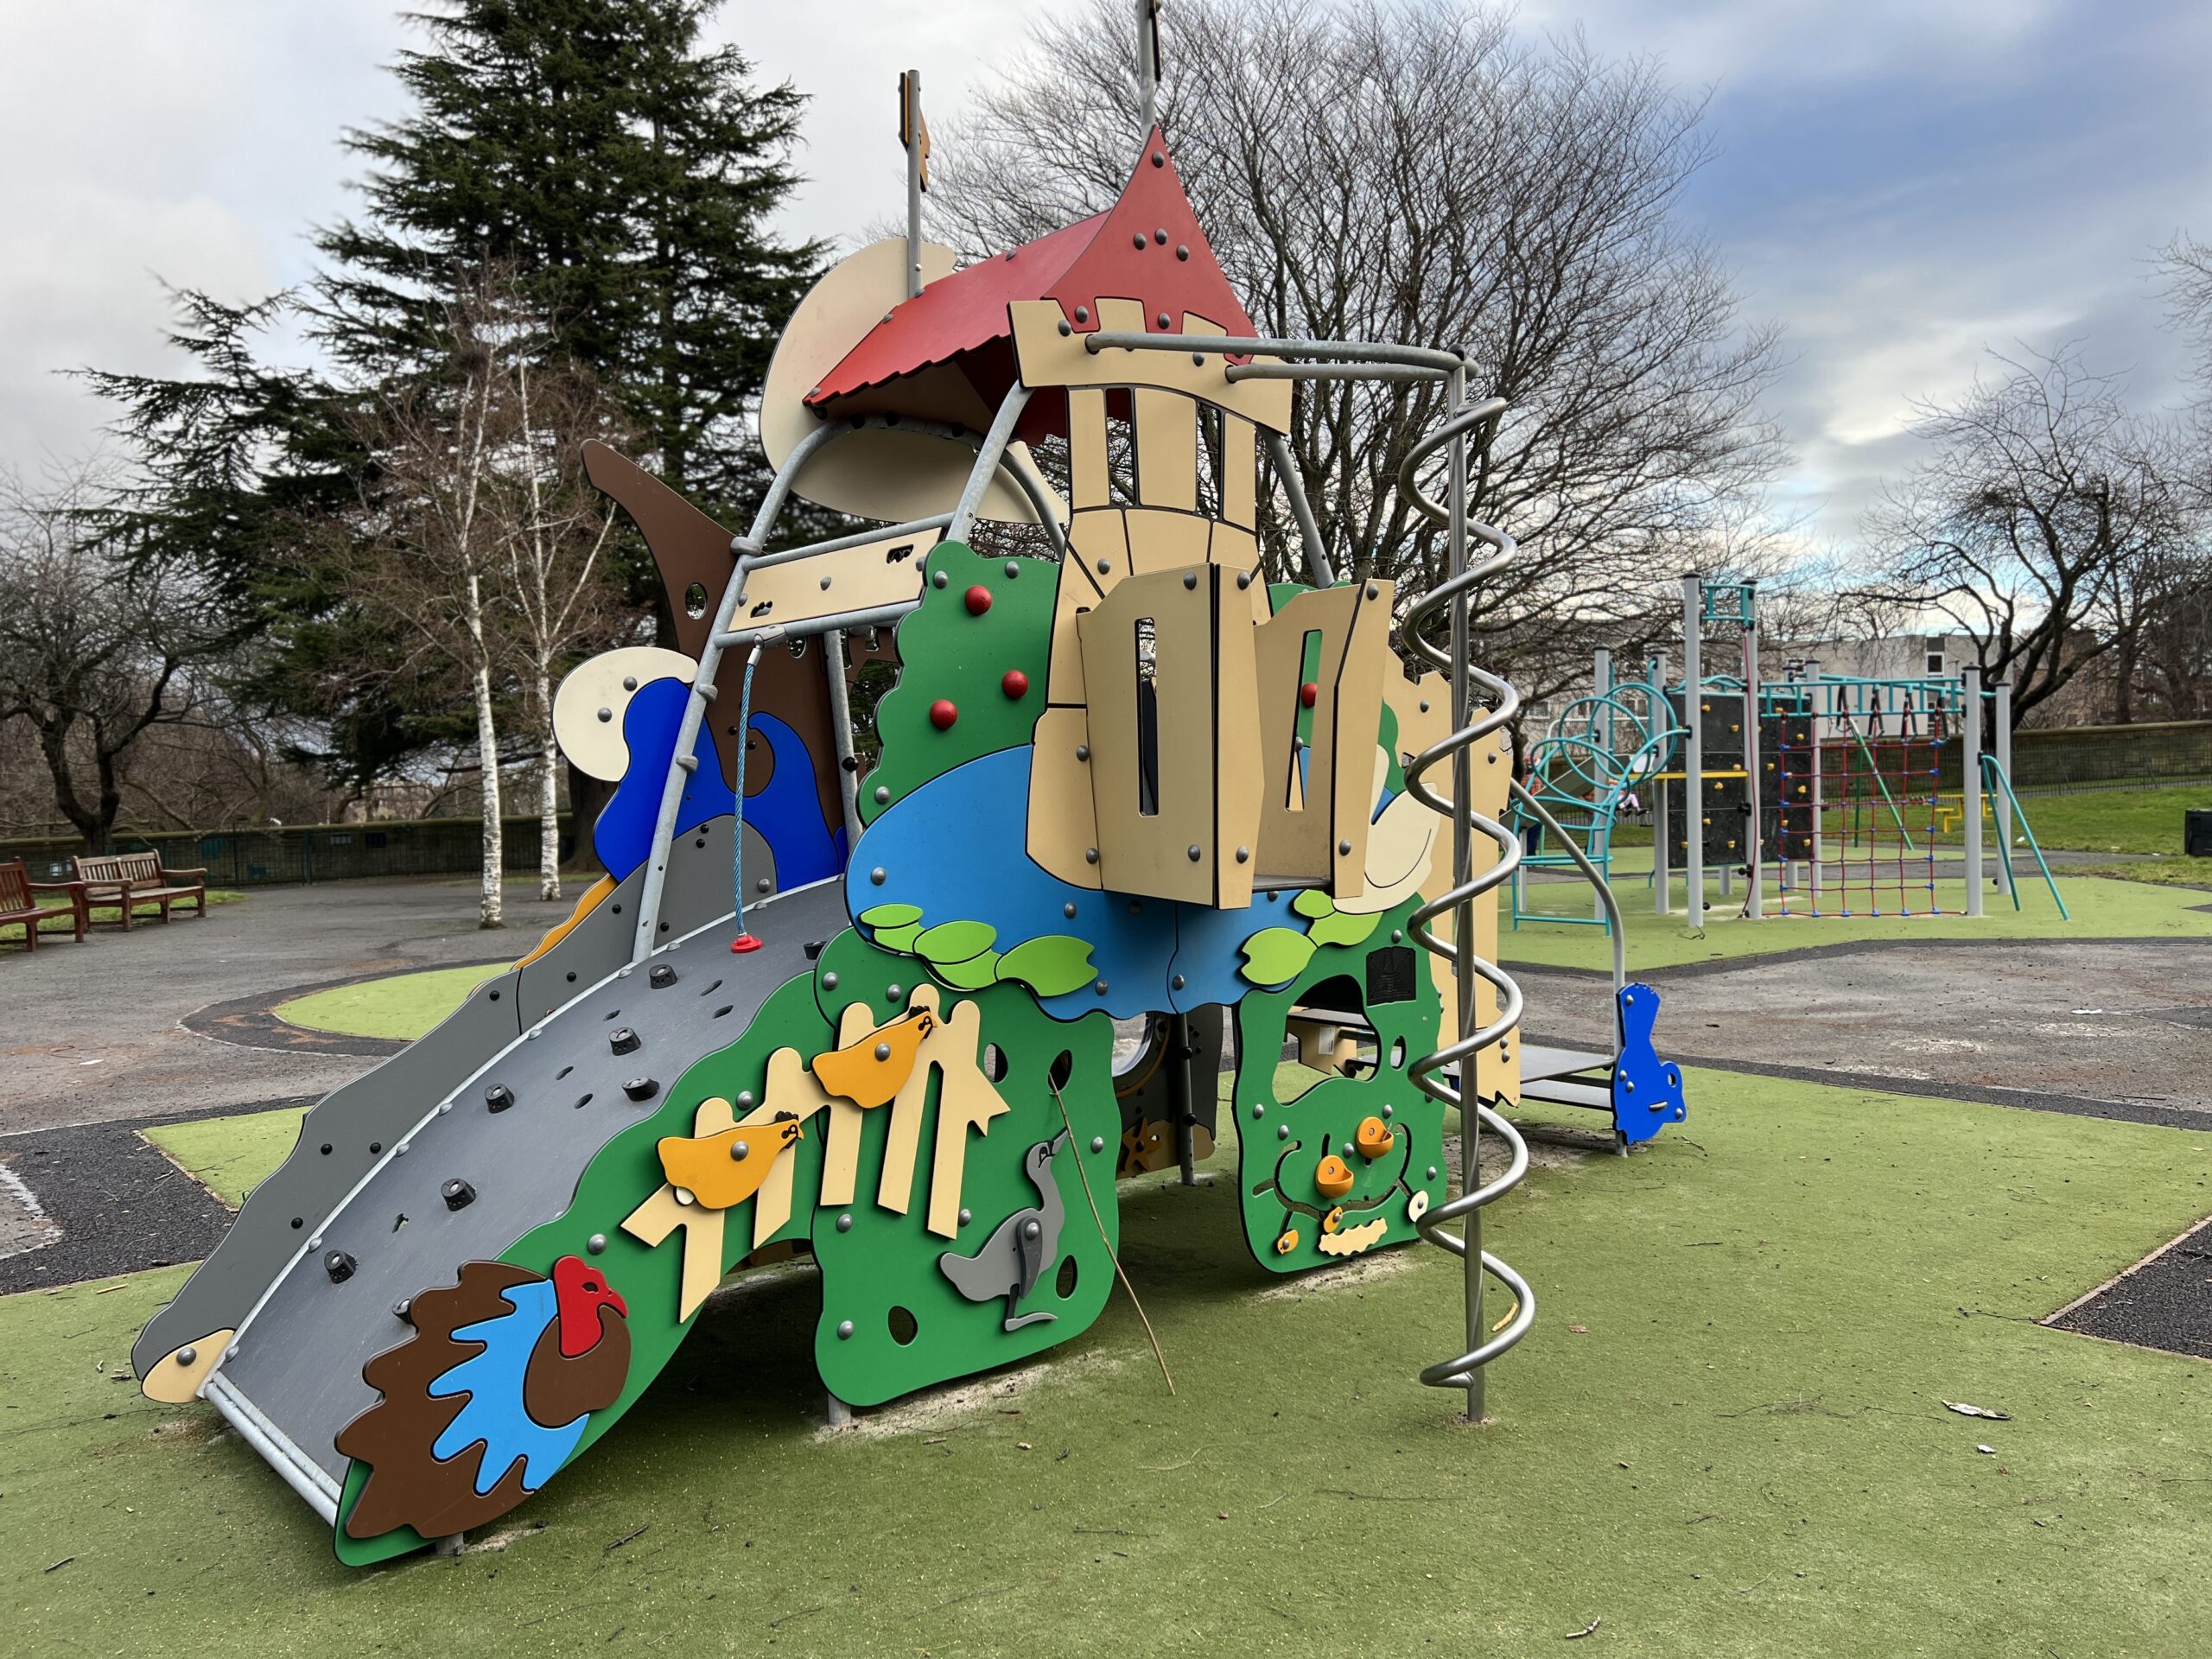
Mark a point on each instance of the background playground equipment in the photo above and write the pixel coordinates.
(1829, 795)
(868, 1017)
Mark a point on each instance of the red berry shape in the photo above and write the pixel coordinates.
(979, 600)
(943, 712)
(1307, 693)
(1015, 685)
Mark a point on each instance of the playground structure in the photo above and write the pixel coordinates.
(866, 1016)
(1826, 795)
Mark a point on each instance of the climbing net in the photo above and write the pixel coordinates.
(1859, 813)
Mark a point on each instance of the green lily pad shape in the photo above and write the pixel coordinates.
(1337, 928)
(973, 975)
(1051, 964)
(1312, 902)
(955, 942)
(880, 916)
(1275, 956)
(900, 938)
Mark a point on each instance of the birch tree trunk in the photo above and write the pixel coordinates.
(549, 790)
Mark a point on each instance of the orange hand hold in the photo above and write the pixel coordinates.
(1333, 1178)
(1374, 1138)
(712, 1170)
(869, 1072)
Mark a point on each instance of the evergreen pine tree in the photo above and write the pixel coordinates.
(626, 172)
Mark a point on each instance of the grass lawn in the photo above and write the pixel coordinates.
(401, 1006)
(2102, 909)
(1726, 1436)
(2116, 820)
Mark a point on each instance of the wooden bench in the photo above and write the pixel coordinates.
(19, 902)
(124, 880)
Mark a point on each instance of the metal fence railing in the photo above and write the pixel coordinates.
(2109, 757)
(296, 854)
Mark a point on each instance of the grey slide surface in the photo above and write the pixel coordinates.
(350, 1129)
(299, 1356)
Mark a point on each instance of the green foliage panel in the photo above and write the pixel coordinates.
(1282, 1143)
(909, 1327)
(945, 653)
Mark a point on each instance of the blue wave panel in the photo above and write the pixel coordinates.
(491, 1381)
(624, 834)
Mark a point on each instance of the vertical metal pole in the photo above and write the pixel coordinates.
(1181, 1050)
(1823, 706)
(912, 126)
(1694, 744)
(1662, 880)
(1147, 64)
(2003, 690)
(1754, 898)
(1602, 680)
(1463, 873)
(1970, 767)
(835, 663)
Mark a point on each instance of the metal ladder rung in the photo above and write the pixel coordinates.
(1565, 1092)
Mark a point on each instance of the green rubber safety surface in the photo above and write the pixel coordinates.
(1725, 1435)
(949, 653)
(400, 1007)
(230, 1156)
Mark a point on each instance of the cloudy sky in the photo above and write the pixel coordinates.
(1903, 183)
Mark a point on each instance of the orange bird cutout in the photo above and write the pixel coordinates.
(870, 1071)
(725, 1168)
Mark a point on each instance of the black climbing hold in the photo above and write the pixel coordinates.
(458, 1194)
(339, 1266)
(662, 977)
(814, 948)
(641, 1088)
(623, 1040)
(499, 1098)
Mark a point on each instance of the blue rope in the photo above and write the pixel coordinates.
(737, 818)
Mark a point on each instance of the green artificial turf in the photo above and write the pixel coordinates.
(230, 1156)
(401, 1006)
(1726, 1436)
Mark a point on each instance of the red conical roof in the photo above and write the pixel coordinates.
(1148, 246)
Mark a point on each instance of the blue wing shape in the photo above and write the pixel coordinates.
(494, 1412)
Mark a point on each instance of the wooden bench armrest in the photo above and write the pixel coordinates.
(169, 874)
(56, 887)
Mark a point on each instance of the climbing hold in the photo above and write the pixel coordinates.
(725, 1168)
(1332, 1179)
(744, 944)
(1417, 1206)
(1014, 683)
(1306, 694)
(1333, 1220)
(1288, 1242)
(943, 712)
(979, 600)
(499, 1098)
(1373, 1138)
(869, 1071)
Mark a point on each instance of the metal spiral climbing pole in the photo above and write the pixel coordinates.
(1482, 705)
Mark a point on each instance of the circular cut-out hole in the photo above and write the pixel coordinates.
(904, 1327)
(994, 1062)
(695, 600)
(1065, 1280)
(1063, 1069)
(1397, 1055)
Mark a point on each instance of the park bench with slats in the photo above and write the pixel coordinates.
(19, 902)
(122, 881)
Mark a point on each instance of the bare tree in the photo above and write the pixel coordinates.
(1413, 172)
(2026, 525)
(554, 526)
(425, 548)
(95, 649)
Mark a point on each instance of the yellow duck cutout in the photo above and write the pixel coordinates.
(870, 1071)
(722, 1170)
